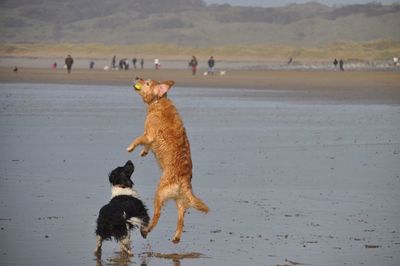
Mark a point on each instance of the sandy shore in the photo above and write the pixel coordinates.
(368, 86)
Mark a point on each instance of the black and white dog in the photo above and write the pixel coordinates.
(124, 212)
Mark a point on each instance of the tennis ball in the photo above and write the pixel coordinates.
(138, 86)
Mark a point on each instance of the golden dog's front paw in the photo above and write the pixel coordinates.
(130, 148)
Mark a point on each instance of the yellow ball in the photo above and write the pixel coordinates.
(138, 86)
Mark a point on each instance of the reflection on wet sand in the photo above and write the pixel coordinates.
(175, 257)
(121, 258)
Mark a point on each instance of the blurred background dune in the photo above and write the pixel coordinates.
(185, 27)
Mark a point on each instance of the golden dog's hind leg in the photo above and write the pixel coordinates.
(145, 150)
(179, 226)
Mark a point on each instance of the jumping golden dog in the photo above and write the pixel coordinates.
(165, 135)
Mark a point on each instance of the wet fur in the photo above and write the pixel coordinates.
(165, 135)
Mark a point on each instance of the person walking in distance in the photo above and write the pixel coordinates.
(193, 63)
(134, 60)
(211, 64)
(69, 62)
(335, 63)
(113, 62)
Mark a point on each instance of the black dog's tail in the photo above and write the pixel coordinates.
(137, 222)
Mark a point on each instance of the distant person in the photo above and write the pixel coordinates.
(15, 70)
(69, 61)
(141, 63)
(54, 66)
(91, 65)
(335, 63)
(157, 63)
(113, 62)
(134, 62)
(193, 63)
(290, 61)
(211, 64)
(341, 65)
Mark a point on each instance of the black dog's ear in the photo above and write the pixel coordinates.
(129, 168)
(129, 164)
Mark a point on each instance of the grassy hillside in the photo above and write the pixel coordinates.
(192, 23)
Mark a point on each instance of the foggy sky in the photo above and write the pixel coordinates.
(285, 2)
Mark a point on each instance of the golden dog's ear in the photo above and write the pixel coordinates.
(169, 82)
(139, 80)
(162, 88)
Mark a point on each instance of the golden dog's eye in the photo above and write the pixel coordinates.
(147, 83)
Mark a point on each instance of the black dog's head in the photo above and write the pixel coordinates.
(121, 176)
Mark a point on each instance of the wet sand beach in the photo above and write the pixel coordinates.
(298, 168)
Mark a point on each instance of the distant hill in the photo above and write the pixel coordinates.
(192, 22)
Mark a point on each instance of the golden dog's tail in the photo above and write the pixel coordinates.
(197, 203)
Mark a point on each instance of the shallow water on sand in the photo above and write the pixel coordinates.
(289, 179)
